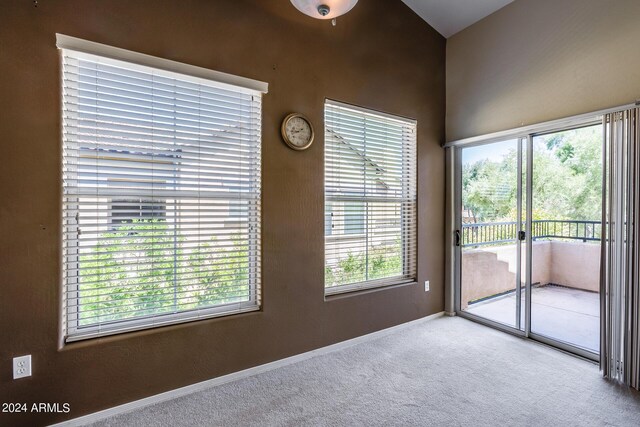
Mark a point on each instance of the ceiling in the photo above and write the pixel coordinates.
(450, 16)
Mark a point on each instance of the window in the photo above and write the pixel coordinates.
(155, 162)
(370, 198)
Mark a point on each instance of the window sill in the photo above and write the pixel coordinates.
(356, 291)
(127, 329)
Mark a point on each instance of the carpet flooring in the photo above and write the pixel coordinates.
(445, 372)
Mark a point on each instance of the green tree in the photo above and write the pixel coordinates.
(128, 272)
(219, 275)
(383, 261)
(145, 267)
(567, 180)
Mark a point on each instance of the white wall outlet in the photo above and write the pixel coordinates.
(426, 286)
(22, 366)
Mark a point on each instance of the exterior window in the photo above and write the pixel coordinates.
(350, 218)
(126, 211)
(155, 163)
(370, 198)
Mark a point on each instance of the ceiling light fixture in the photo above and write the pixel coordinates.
(324, 9)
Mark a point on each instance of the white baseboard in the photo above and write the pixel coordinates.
(182, 391)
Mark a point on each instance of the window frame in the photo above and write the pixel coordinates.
(409, 254)
(70, 323)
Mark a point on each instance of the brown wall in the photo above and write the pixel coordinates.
(380, 56)
(539, 60)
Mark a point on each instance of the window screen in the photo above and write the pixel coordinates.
(370, 198)
(154, 165)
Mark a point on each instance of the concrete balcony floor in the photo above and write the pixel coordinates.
(564, 314)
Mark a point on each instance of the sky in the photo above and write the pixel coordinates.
(494, 152)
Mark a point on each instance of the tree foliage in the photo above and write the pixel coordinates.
(380, 262)
(145, 268)
(567, 180)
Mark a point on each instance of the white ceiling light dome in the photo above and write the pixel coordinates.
(324, 9)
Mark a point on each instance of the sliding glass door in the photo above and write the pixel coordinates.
(490, 277)
(566, 189)
(528, 235)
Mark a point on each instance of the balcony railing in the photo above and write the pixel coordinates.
(492, 233)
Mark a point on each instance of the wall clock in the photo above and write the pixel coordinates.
(297, 131)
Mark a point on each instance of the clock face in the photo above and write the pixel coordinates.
(298, 132)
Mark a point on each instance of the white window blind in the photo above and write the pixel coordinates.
(370, 198)
(161, 188)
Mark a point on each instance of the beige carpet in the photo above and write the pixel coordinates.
(445, 372)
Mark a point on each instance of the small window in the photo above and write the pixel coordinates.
(370, 198)
(161, 187)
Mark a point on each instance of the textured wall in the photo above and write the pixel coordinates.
(537, 60)
(390, 61)
(576, 265)
(492, 271)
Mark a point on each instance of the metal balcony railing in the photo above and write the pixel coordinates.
(492, 233)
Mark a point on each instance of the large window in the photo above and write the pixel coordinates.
(155, 164)
(370, 198)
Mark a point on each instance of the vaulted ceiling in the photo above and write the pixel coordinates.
(450, 16)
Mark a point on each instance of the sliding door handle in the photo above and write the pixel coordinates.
(522, 235)
(457, 237)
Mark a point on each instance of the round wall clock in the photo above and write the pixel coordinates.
(297, 131)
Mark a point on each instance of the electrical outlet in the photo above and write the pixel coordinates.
(426, 286)
(21, 366)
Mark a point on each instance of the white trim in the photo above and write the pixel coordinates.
(542, 127)
(385, 283)
(92, 48)
(79, 333)
(193, 388)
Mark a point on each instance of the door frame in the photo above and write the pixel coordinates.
(457, 224)
(525, 137)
